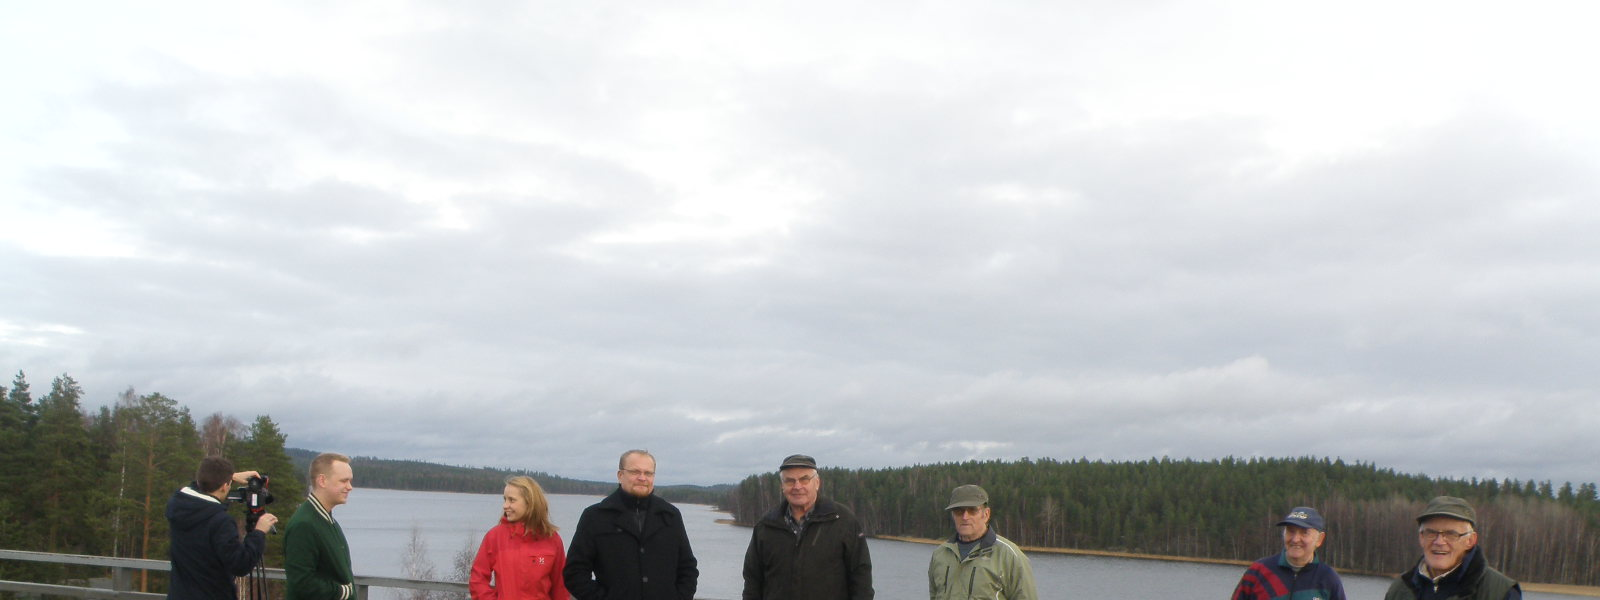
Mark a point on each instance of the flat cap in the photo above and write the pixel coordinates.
(798, 461)
(1449, 506)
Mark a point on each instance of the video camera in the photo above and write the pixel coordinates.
(255, 497)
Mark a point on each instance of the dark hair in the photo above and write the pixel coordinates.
(214, 472)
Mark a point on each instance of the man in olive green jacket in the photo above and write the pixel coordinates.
(1452, 565)
(316, 558)
(976, 562)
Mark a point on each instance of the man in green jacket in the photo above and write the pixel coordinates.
(976, 562)
(316, 558)
(1452, 565)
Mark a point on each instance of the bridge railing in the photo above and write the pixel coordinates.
(122, 570)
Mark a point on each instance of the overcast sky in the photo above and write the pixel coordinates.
(533, 235)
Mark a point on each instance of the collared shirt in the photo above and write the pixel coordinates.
(1422, 568)
(798, 527)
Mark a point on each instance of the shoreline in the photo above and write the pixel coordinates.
(1550, 588)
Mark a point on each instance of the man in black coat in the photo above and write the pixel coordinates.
(207, 553)
(632, 545)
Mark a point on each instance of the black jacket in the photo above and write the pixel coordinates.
(1474, 579)
(611, 557)
(829, 561)
(206, 551)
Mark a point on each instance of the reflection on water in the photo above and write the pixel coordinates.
(378, 524)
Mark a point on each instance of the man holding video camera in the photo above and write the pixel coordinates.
(207, 553)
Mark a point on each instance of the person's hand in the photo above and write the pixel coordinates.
(244, 476)
(267, 521)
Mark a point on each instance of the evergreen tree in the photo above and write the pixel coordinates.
(16, 421)
(156, 450)
(64, 463)
(16, 425)
(262, 450)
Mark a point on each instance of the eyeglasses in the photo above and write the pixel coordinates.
(1429, 535)
(639, 473)
(792, 481)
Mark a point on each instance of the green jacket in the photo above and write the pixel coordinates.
(316, 559)
(1473, 580)
(996, 569)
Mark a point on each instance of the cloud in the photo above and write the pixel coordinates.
(536, 235)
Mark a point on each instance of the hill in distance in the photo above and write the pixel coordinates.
(390, 474)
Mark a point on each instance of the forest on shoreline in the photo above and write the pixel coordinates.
(1219, 509)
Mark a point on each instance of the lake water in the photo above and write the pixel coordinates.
(378, 524)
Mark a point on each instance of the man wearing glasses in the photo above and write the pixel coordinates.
(977, 562)
(1452, 565)
(808, 547)
(1295, 572)
(632, 544)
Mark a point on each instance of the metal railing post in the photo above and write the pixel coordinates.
(121, 579)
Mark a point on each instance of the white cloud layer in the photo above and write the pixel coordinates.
(537, 234)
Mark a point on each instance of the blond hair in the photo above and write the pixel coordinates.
(622, 462)
(537, 521)
(323, 465)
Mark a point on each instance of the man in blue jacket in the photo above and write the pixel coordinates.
(1294, 573)
(207, 553)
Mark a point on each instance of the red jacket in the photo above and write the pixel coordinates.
(524, 568)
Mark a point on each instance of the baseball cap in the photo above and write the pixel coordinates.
(1304, 516)
(968, 495)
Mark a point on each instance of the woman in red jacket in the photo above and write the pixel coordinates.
(523, 553)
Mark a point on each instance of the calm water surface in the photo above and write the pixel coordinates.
(379, 524)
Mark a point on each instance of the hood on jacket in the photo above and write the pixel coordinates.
(189, 509)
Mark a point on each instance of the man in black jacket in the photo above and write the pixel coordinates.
(632, 545)
(206, 551)
(808, 547)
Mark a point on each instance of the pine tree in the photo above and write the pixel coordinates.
(65, 474)
(262, 450)
(16, 425)
(156, 450)
(16, 421)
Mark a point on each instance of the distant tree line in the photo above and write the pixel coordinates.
(97, 483)
(1220, 509)
(393, 474)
